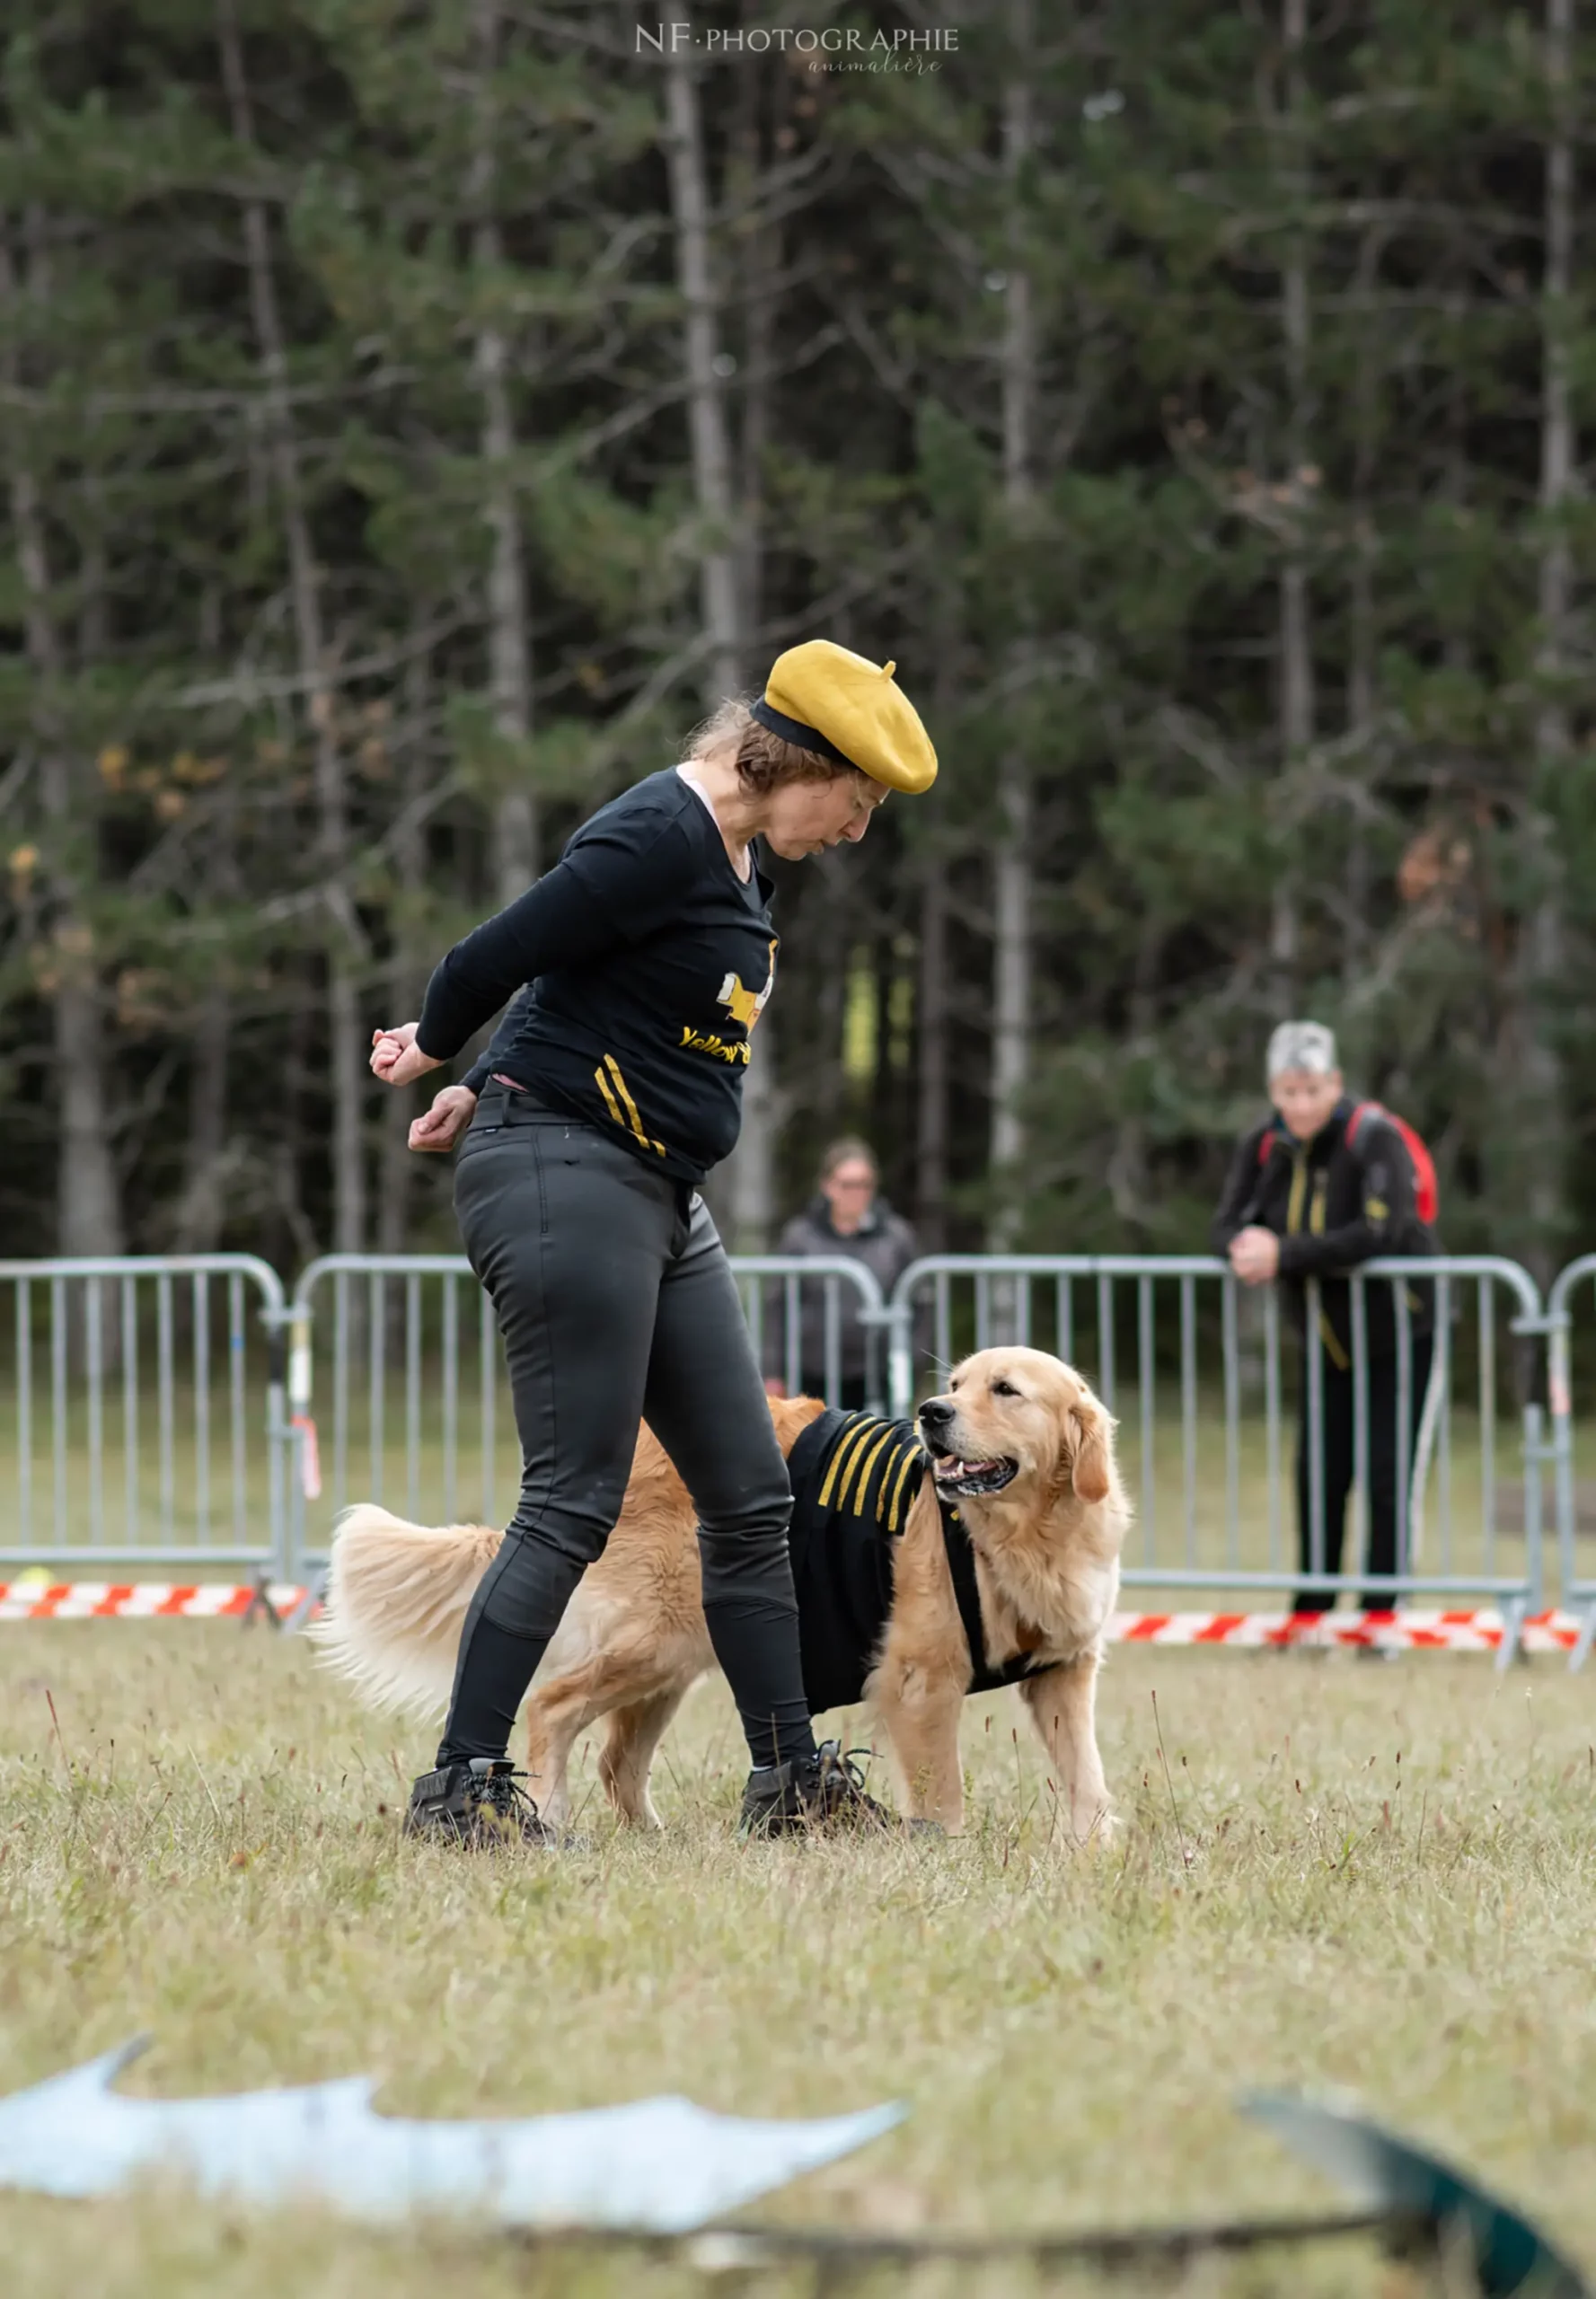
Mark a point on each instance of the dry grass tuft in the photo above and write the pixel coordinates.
(1372, 1875)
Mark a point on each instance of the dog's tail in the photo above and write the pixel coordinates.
(396, 1600)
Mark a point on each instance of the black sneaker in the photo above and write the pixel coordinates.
(823, 1789)
(477, 1802)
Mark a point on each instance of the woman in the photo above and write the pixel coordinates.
(1323, 1185)
(845, 1217)
(612, 1087)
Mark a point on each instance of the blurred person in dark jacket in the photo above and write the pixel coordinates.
(1324, 1183)
(846, 1216)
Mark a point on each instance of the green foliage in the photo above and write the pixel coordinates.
(443, 193)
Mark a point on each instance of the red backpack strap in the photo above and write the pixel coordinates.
(1426, 1194)
(1267, 1140)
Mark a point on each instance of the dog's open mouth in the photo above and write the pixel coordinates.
(973, 1478)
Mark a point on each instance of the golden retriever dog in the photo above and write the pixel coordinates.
(1013, 1540)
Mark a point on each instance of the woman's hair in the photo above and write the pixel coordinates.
(1300, 1045)
(764, 760)
(848, 1151)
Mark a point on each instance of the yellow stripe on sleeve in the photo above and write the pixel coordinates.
(635, 1122)
(611, 1104)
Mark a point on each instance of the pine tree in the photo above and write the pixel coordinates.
(413, 416)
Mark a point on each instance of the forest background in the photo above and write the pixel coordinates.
(414, 417)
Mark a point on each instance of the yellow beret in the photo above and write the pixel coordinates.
(823, 698)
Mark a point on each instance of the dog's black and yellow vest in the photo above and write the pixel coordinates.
(853, 1479)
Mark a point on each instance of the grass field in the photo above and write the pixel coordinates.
(1380, 1875)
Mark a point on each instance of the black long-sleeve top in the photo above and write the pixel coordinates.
(1333, 1203)
(644, 962)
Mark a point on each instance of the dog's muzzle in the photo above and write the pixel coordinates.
(954, 1474)
(952, 1470)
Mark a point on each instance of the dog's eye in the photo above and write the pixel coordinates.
(1004, 1390)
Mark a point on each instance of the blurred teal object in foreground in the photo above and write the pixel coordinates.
(655, 2166)
(1506, 2253)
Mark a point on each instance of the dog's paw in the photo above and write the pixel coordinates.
(1098, 1832)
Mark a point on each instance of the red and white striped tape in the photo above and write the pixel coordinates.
(1404, 1632)
(136, 1600)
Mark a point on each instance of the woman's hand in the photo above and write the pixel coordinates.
(387, 1046)
(441, 1126)
(395, 1057)
(1254, 1255)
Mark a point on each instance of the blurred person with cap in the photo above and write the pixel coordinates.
(639, 967)
(849, 1217)
(1324, 1183)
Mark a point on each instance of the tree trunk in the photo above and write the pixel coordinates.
(748, 1186)
(1541, 1110)
(754, 1176)
(407, 976)
(509, 654)
(198, 1225)
(708, 434)
(346, 1051)
(1012, 861)
(89, 1201)
(882, 1129)
(201, 1204)
(761, 265)
(93, 621)
(89, 1206)
(745, 1196)
(930, 1187)
(288, 1157)
(1455, 651)
(1361, 633)
(1296, 702)
(1011, 971)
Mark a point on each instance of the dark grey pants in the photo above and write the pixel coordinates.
(616, 1303)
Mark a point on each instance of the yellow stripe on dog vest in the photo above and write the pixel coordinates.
(845, 1483)
(864, 1475)
(910, 1458)
(846, 1453)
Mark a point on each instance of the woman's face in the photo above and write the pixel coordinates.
(1306, 1099)
(805, 818)
(850, 1190)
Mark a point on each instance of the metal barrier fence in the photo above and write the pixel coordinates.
(1579, 1586)
(146, 1418)
(144, 1421)
(774, 1290)
(397, 1393)
(1197, 1368)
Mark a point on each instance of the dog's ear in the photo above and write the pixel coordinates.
(1094, 1433)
